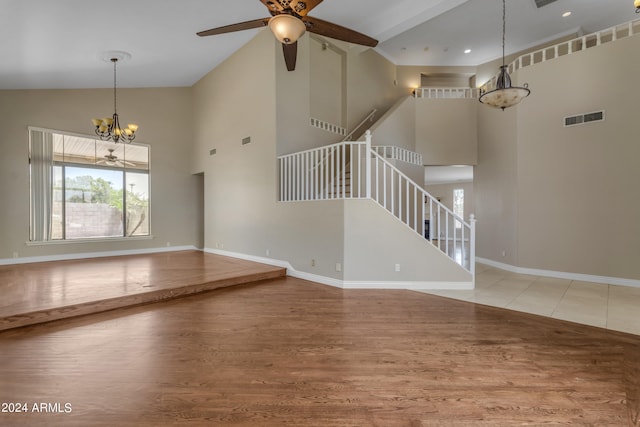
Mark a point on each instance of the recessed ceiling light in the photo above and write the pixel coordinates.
(467, 51)
(564, 15)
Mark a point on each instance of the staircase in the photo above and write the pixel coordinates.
(356, 170)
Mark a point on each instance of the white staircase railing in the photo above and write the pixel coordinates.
(331, 172)
(355, 170)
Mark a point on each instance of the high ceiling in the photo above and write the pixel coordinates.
(62, 43)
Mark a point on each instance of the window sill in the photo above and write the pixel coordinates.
(94, 240)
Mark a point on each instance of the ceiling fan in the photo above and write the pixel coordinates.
(112, 160)
(289, 21)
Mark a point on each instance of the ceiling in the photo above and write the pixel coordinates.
(61, 44)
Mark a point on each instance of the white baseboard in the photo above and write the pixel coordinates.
(345, 284)
(85, 255)
(411, 286)
(246, 257)
(561, 274)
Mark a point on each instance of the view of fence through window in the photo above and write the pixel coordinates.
(97, 189)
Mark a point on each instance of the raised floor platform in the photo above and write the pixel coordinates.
(47, 291)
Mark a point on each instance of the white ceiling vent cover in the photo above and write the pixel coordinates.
(581, 119)
(542, 3)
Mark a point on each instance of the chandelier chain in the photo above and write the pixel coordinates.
(504, 26)
(504, 95)
(109, 128)
(115, 96)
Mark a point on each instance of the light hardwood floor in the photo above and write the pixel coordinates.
(293, 353)
(46, 291)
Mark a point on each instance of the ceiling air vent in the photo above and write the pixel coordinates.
(542, 3)
(581, 119)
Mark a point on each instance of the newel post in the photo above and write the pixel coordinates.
(472, 248)
(367, 165)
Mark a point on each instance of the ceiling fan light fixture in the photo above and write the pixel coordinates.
(287, 28)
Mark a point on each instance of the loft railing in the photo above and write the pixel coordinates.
(446, 92)
(333, 128)
(354, 170)
(398, 153)
(569, 47)
(329, 127)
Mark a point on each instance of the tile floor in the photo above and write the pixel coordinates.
(596, 304)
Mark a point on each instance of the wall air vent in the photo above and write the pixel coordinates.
(581, 119)
(542, 3)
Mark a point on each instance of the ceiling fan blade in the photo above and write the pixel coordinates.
(273, 5)
(335, 31)
(256, 23)
(302, 7)
(290, 55)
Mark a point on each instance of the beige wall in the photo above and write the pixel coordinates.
(446, 131)
(495, 185)
(578, 186)
(375, 242)
(164, 116)
(564, 199)
(293, 102)
(327, 82)
(370, 84)
(397, 126)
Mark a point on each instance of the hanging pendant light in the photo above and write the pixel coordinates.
(109, 128)
(505, 95)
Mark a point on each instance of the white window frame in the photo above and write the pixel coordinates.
(35, 197)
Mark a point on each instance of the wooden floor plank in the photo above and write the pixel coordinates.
(42, 292)
(294, 353)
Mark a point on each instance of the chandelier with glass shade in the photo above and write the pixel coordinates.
(505, 95)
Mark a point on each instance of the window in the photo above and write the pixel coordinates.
(83, 188)
(458, 204)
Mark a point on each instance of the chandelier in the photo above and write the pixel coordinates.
(504, 95)
(109, 128)
(636, 3)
